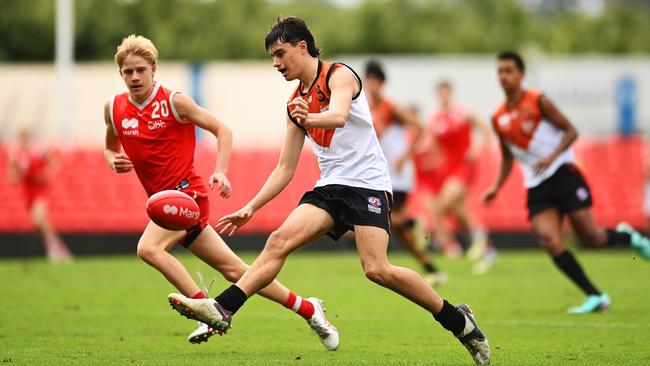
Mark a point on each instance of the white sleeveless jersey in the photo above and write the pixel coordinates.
(350, 155)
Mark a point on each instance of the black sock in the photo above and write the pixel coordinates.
(617, 238)
(430, 268)
(232, 299)
(568, 264)
(451, 318)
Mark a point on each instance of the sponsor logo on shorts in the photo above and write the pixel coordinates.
(582, 193)
(374, 205)
(170, 209)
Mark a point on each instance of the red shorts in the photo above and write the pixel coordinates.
(34, 193)
(204, 208)
(433, 180)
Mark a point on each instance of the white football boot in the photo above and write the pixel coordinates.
(327, 333)
(202, 333)
(207, 311)
(473, 339)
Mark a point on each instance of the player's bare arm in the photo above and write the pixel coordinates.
(113, 155)
(486, 136)
(557, 118)
(294, 140)
(344, 87)
(190, 112)
(13, 169)
(412, 122)
(506, 166)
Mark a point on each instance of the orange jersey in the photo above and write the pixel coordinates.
(519, 124)
(382, 116)
(318, 98)
(348, 155)
(530, 136)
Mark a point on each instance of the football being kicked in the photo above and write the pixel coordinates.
(173, 210)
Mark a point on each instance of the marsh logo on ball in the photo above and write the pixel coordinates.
(374, 205)
(170, 209)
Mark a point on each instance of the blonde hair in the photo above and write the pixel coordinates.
(136, 45)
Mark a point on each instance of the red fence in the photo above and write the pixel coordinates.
(86, 196)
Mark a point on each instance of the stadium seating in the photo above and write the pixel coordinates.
(87, 197)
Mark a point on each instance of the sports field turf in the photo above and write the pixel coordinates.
(113, 310)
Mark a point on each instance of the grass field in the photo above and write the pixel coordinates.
(113, 310)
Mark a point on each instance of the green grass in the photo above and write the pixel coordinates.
(113, 310)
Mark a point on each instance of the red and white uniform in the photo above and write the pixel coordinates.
(447, 143)
(33, 164)
(349, 155)
(394, 141)
(159, 143)
(530, 137)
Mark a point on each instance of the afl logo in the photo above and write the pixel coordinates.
(374, 201)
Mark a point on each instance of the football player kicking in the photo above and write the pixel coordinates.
(354, 192)
(155, 127)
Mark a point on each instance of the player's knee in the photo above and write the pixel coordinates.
(376, 273)
(277, 244)
(146, 252)
(550, 243)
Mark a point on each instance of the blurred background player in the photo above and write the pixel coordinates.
(399, 131)
(156, 128)
(534, 131)
(33, 166)
(447, 167)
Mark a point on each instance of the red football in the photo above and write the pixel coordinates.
(173, 210)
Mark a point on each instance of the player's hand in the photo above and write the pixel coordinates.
(230, 223)
(299, 110)
(121, 163)
(222, 183)
(490, 195)
(543, 164)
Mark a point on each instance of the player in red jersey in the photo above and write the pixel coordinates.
(452, 152)
(534, 131)
(155, 127)
(33, 166)
(393, 123)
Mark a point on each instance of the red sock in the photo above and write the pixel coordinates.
(301, 306)
(199, 295)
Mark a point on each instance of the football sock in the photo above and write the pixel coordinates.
(451, 318)
(430, 268)
(617, 238)
(232, 299)
(568, 264)
(199, 295)
(299, 305)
